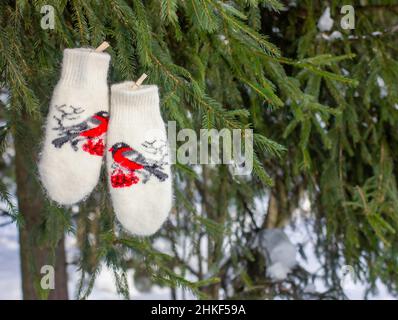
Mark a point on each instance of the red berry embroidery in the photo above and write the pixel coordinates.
(120, 179)
(94, 146)
(89, 131)
(128, 162)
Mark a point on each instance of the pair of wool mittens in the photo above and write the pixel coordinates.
(81, 130)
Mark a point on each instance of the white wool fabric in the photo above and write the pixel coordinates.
(137, 159)
(77, 121)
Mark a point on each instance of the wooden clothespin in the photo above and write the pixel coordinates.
(139, 81)
(103, 46)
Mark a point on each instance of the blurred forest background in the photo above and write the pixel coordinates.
(323, 104)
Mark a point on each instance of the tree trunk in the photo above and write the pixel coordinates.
(34, 254)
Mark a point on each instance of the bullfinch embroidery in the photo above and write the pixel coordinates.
(70, 159)
(137, 161)
(91, 131)
(130, 166)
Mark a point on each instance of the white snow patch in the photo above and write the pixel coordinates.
(4, 97)
(223, 39)
(336, 35)
(279, 251)
(10, 281)
(302, 232)
(325, 22)
(382, 86)
(345, 71)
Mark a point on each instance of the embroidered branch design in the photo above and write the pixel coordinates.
(131, 166)
(91, 131)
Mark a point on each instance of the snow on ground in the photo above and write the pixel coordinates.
(10, 283)
(279, 251)
(354, 290)
(104, 288)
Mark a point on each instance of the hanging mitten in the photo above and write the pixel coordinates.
(137, 159)
(76, 126)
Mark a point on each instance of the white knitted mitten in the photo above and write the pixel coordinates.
(137, 159)
(76, 126)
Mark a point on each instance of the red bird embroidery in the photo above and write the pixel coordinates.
(102, 118)
(128, 161)
(91, 131)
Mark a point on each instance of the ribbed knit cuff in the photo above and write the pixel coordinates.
(83, 67)
(140, 104)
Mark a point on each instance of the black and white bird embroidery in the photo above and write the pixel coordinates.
(129, 164)
(91, 130)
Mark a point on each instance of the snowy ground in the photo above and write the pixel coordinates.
(301, 233)
(10, 282)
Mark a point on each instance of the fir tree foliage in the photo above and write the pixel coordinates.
(324, 128)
